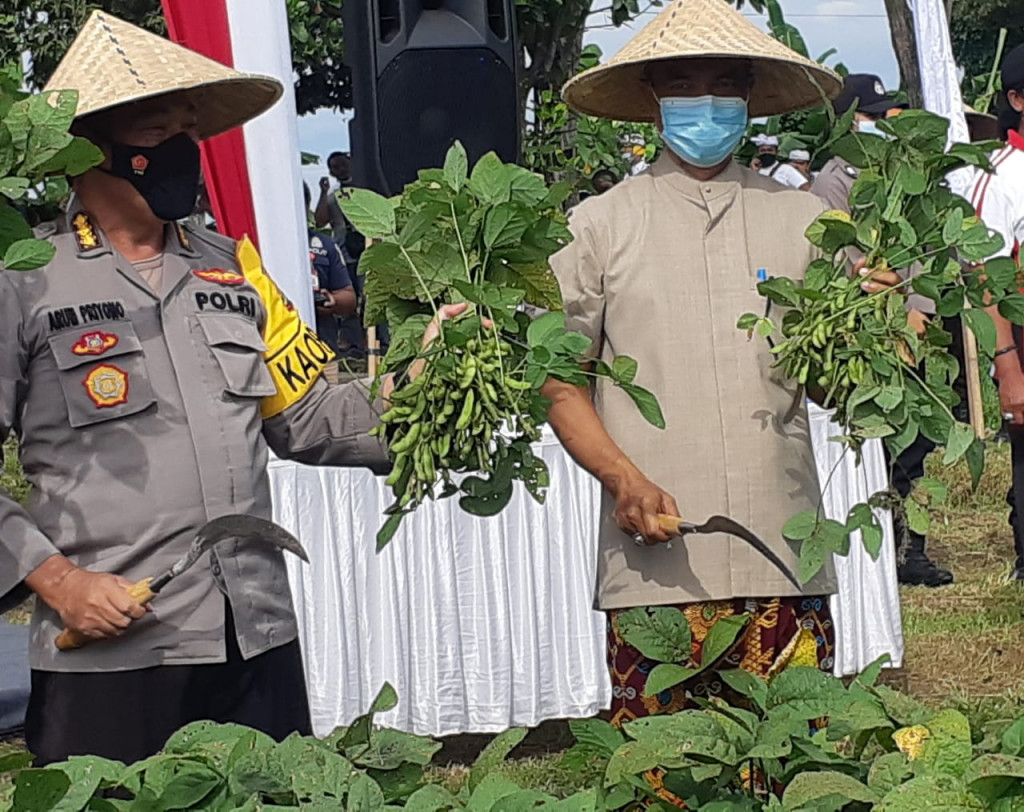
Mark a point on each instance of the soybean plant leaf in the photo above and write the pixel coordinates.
(39, 790)
(801, 526)
(1012, 308)
(388, 529)
(76, 158)
(187, 789)
(456, 167)
(646, 402)
(911, 179)
(780, 290)
(505, 225)
(960, 438)
(748, 321)
(624, 369)
(814, 552)
(749, 685)
(660, 633)
(666, 676)
(975, 457)
(557, 194)
(871, 537)
(527, 188)
(720, 638)
(490, 180)
(1013, 738)
(918, 519)
(935, 488)
(371, 214)
(14, 760)
(494, 754)
(27, 255)
(544, 328)
(808, 787)
(13, 188)
(953, 227)
(13, 227)
(983, 327)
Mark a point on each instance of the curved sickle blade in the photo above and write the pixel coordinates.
(235, 526)
(723, 524)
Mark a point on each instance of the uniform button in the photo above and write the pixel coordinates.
(216, 568)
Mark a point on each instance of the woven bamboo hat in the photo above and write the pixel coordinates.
(783, 80)
(112, 62)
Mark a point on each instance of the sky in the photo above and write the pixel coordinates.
(858, 29)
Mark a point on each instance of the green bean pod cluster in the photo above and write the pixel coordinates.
(450, 419)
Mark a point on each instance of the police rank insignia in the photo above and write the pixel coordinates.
(94, 343)
(85, 233)
(106, 386)
(220, 276)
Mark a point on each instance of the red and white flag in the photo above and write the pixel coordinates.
(253, 173)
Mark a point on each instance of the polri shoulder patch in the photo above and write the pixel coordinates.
(85, 233)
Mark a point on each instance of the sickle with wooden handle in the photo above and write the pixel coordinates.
(723, 524)
(235, 526)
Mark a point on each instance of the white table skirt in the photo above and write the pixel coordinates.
(479, 624)
(866, 609)
(485, 624)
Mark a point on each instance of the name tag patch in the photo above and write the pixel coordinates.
(230, 302)
(95, 343)
(220, 276)
(64, 318)
(106, 385)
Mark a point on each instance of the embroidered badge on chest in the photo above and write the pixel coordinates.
(106, 386)
(220, 276)
(94, 343)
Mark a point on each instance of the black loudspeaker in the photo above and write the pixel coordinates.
(426, 73)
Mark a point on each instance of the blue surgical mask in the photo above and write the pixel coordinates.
(703, 130)
(870, 128)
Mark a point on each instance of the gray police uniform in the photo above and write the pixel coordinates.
(143, 416)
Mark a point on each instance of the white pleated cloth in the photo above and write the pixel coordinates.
(866, 609)
(479, 624)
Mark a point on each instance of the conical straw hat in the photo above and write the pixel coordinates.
(783, 80)
(112, 62)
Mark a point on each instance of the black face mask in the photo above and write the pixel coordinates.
(167, 175)
(768, 160)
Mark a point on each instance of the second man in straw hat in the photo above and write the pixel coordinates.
(660, 269)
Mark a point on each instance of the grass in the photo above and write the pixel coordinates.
(964, 643)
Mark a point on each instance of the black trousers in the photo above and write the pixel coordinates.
(129, 715)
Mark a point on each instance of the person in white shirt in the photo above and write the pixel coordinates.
(794, 172)
(999, 200)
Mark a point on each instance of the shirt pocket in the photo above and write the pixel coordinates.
(238, 348)
(102, 373)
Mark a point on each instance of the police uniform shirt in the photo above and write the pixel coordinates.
(141, 416)
(660, 270)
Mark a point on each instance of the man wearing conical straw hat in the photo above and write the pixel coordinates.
(660, 269)
(146, 370)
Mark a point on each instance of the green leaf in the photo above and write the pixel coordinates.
(490, 180)
(371, 214)
(544, 328)
(13, 188)
(813, 786)
(801, 526)
(86, 774)
(889, 771)
(987, 775)
(13, 228)
(187, 789)
(918, 519)
(624, 369)
(781, 290)
(814, 552)
(39, 790)
(1013, 738)
(505, 225)
(15, 760)
(1012, 308)
(748, 321)
(494, 755)
(431, 798)
(960, 438)
(953, 226)
(388, 529)
(659, 633)
(948, 747)
(646, 402)
(456, 167)
(557, 194)
(984, 329)
(666, 676)
(936, 489)
(871, 537)
(75, 159)
(975, 457)
(720, 639)
(889, 397)
(597, 734)
(938, 792)
(911, 179)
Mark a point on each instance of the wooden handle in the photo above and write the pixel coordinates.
(69, 640)
(669, 524)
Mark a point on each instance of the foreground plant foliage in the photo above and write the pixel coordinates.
(881, 750)
(858, 352)
(484, 237)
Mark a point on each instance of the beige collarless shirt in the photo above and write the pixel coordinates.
(661, 268)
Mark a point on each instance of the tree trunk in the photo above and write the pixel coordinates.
(904, 43)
